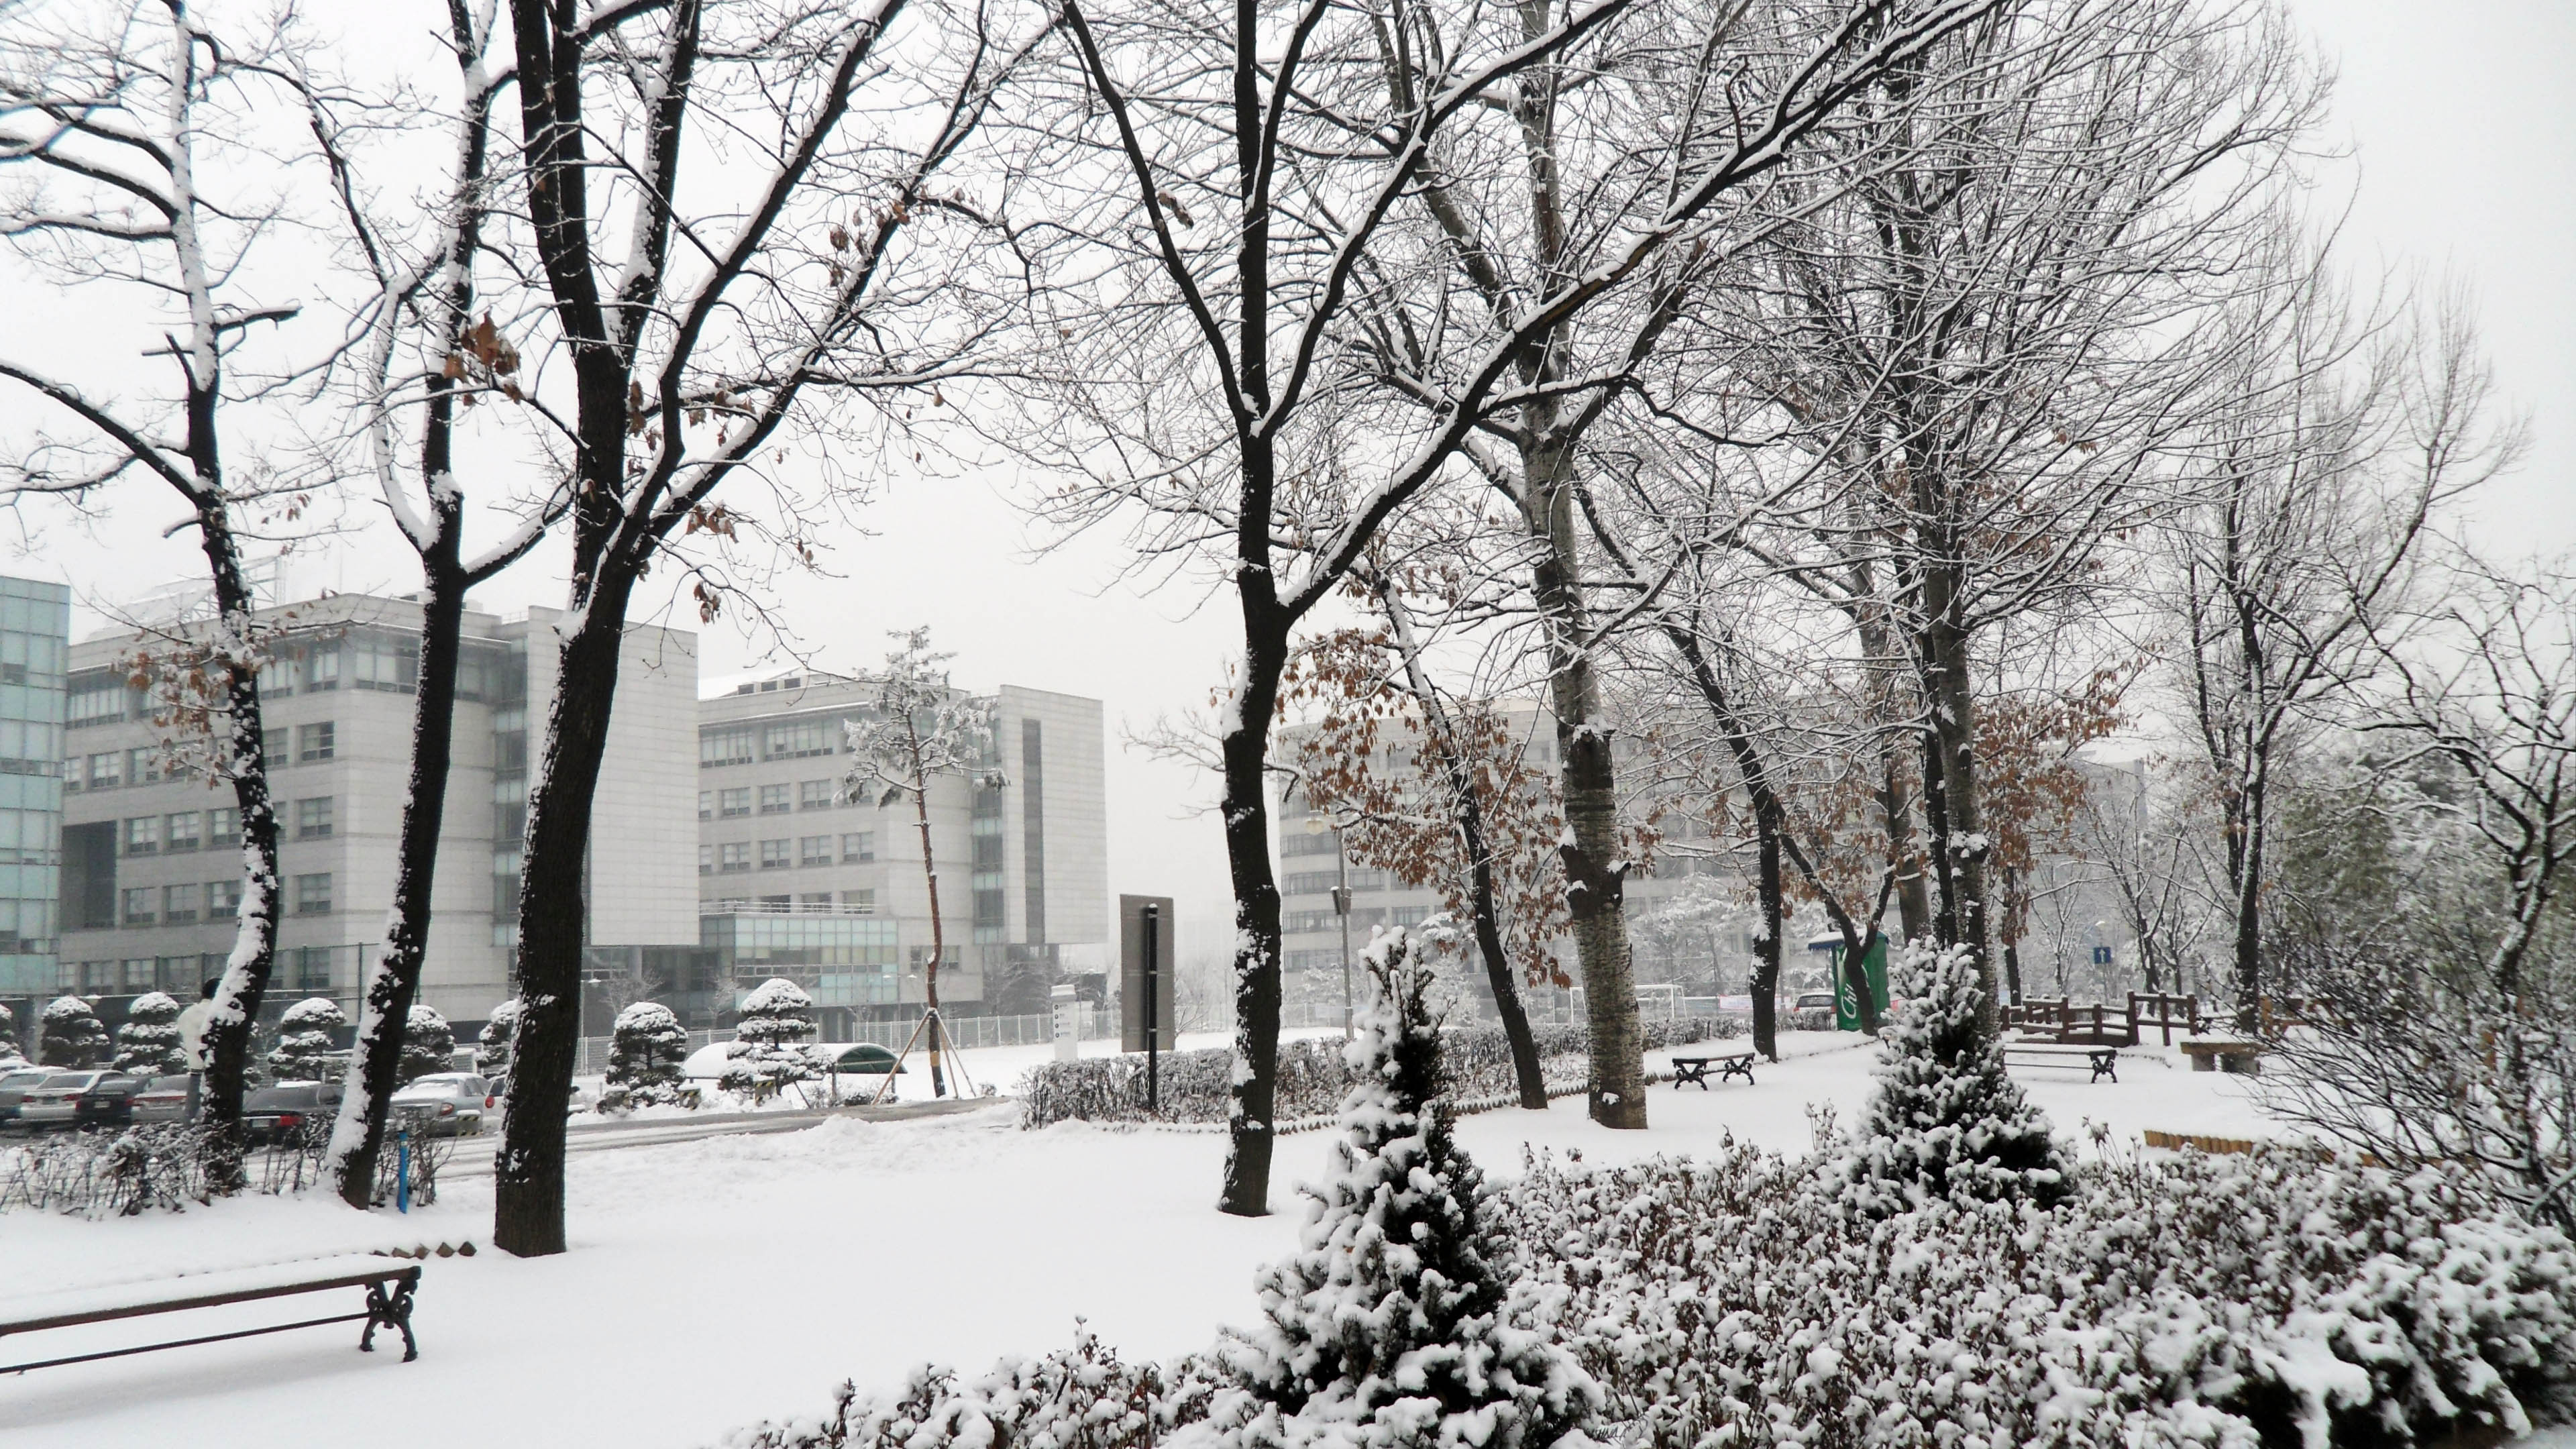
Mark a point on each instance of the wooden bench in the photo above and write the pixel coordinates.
(389, 1286)
(1695, 1069)
(2104, 1060)
(2211, 1055)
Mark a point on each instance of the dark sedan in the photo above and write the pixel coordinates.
(278, 1114)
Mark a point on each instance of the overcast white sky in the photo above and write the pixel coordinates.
(2461, 126)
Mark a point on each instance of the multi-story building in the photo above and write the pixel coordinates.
(1311, 863)
(35, 642)
(797, 878)
(151, 881)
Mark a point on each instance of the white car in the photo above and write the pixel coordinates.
(446, 1104)
(55, 1102)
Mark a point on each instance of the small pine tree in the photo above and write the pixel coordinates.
(305, 1040)
(644, 1057)
(148, 1043)
(1944, 1120)
(1387, 1327)
(492, 1045)
(429, 1045)
(768, 1051)
(74, 1039)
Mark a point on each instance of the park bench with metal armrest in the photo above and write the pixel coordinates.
(389, 1287)
(1691, 1069)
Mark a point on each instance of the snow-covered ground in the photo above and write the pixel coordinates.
(728, 1279)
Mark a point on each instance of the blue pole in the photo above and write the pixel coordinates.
(402, 1172)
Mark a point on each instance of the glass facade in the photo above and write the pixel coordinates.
(35, 644)
(839, 960)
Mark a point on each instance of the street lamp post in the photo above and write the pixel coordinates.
(1317, 825)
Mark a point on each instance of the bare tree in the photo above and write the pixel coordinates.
(684, 170)
(136, 141)
(922, 729)
(2313, 490)
(425, 360)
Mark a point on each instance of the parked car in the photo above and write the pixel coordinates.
(446, 1104)
(123, 1101)
(55, 1102)
(274, 1114)
(1814, 1012)
(14, 1087)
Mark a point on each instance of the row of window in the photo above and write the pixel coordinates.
(308, 744)
(177, 905)
(1321, 882)
(855, 848)
(792, 740)
(849, 903)
(774, 799)
(1362, 922)
(187, 830)
(305, 969)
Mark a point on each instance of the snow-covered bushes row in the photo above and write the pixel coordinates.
(2263, 1300)
(162, 1167)
(1312, 1076)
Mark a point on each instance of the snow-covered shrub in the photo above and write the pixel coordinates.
(8, 1033)
(304, 1040)
(148, 1042)
(768, 1051)
(163, 1166)
(73, 1037)
(428, 1045)
(644, 1057)
(1943, 1118)
(500, 1032)
(1387, 1327)
(2242, 1302)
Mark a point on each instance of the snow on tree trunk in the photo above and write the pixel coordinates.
(1388, 1326)
(1944, 1120)
(148, 1042)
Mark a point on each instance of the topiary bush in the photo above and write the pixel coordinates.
(645, 1051)
(306, 1040)
(493, 1044)
(768, 1051)
(428, 1045)
(74, 1039)
(148, 1042)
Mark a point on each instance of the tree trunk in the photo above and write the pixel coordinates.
(227, 1040)
(938, 939)
(2245, 862)
(1595, 876)
(1895, 800)
(528, 1192)
(1767, 946)
(1246, 812)
(394, 980)
(1959, 847)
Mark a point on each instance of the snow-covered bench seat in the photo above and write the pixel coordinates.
(389, 1285)
(2104, 1060)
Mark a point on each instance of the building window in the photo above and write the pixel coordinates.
(799, 739)
(313, 894)
(774, 856)
(313, 968)
(179, 904)
(223, 899)
(773, 800)
(733, 802)
(313, 819)
(1309, 883)
(859, 903)
(706, 860)
(143, 835)
(859, 846)
(322, 667)
(389, 664)
(816, 794)
(183, 831)
(106, 772)
(96, 700)
(814, 850)
(733, 856)
(313, 742)
(725, 747)
(815, 902)
(138, 906)
(223, 827)
(143, 767)
(706, 804)
(276, 747)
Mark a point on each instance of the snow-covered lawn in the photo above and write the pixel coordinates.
(723, 1280)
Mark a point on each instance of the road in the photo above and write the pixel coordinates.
(473, 1156)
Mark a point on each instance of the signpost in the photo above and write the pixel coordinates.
(1147, 1006)
(1065, 1003)
(1874, 966)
